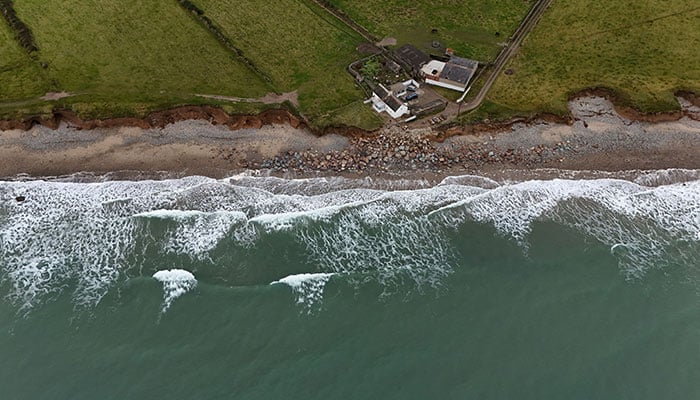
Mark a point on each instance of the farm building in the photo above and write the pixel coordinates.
(412, 58)
(454, 74)
(384, 100)
(400, 88)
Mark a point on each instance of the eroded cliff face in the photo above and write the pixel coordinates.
(690, 104)
(160, 119)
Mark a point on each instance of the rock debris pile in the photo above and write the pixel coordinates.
(389, 152)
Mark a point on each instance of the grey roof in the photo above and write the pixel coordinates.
(412, 56)
(393, 102)
(465, 62)
(388, 98)
(380, 91)
(398, 87)
(459, 70)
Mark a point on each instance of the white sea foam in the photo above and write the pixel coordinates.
(176, 282)
(470, 180)
(667, 177)
(646, 228)
(171, 214)
(196, 233)
(82, 236)
(323, 185)
(76, 235)
(643, 221)
(307, 288)
(62, 234)
(372, 204)
(309, 211)
(512, 209)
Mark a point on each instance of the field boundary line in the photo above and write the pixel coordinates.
(345, 19)
(646, 21)
(199, 16)
(327, 17)
(21, 31)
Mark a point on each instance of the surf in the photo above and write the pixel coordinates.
(85, 237)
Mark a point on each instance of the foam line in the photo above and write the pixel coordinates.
(83, 237)
(188, 214)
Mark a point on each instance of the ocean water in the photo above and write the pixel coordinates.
(333, 288)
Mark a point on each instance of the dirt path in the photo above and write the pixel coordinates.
(56, 96)
(270, 98)
(47, 97)
(387, 41)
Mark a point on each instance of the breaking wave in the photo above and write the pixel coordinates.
(176, 282)
(86, 237)
(308, 288)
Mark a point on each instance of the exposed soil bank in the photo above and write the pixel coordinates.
(686, 99)
(217, 116)
(207, 141)
(160, 119)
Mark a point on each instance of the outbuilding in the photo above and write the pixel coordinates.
(454, 74)
(412, 58)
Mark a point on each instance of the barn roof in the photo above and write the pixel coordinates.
(393, 102)
(459, 70)
(410, 55)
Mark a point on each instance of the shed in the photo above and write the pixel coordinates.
(411, 57)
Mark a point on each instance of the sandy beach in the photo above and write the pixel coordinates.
(598, 139)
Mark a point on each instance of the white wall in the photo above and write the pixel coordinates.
(446, 85)
(403, 110)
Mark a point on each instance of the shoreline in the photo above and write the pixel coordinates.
(159, 119)
(598, 139)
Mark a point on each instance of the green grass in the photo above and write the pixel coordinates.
(20, 76)
(355, 114)
(131, 57)
(468, 26)
(128, 57)
(298, 44)
(488, 111)
(636, 49)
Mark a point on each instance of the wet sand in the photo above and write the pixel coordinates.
(599, 139)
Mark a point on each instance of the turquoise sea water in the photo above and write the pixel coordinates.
(266, 288)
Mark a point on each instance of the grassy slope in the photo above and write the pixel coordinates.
(581, 44)
(130, 56)
(20, 76)
(300, 46)
(468, 26)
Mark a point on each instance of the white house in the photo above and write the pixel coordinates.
(385, 101)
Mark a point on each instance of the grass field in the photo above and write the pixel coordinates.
(20, 76)
(300, 45)
(642, 51)
(129, 56)
(354, 114)
(468, 26)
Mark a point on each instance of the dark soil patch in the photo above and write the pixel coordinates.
(368, 48)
